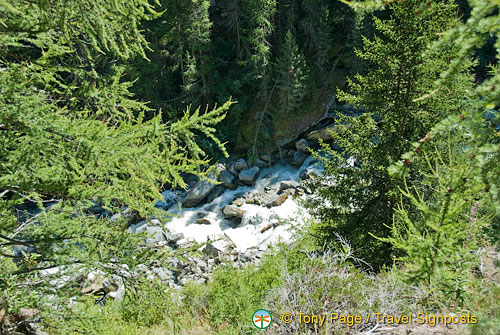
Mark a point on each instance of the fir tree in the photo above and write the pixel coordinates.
(358, 202)
(291, 72)
(72, 136)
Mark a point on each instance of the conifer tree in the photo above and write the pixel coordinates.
(291, 72)
(72, 136)
(358, 201)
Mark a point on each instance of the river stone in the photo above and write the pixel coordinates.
(228, 180)
(203, 221)
(238, 202)
(261, 164)
(324, 133)
(216, 192)
(286, 184)
(249, 176)
(278, 200)
(302, 145)
(202, 189)
(233, 212)
(266, 158)
(299, 158)
(240, 164)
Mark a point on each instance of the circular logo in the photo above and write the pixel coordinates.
(262, 319)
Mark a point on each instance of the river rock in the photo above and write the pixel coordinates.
(278, 200)
(233, 212)
(202, 189)
(299, 158)
(216, 192)
(261, 164)
(228, 180)
(302, 145)
(324, 133)
(286, 184)
(249, 176)
(266, 158)
(238, 202)
(240, 164)
(203, 221)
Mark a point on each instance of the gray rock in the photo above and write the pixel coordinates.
(324, 133)
(216, 192)
(249, 176)
(302, 145)
(266, 158)
(240, 164)
(261, 164)
(228, 180)
(174, 237)
(299, 158)
(233, 212)
(163, 274)
(238, 202)
(155, 234)
(202, 189)
(198, 193)
(277, 200)
(203, 221)
(218, 248)
(286, 184)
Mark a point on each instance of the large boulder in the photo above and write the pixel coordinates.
(299, 158)
(240, 164)
(324, 133)
(302, 145)
(216, 192)
(249, 176)
(228, 180)
(202, 189)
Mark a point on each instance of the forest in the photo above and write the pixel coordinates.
(179, 166)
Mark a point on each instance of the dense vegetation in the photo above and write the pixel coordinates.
(108, 103)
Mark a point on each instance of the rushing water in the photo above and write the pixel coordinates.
(249, 233)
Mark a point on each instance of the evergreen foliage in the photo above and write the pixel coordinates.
(360, 198)
(73, 136)
(291, 76)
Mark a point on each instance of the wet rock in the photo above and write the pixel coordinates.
(324, 133)
(266, 158)
(203, 221)
(231, 211)
(249, 176)
(197, 194)
(240, 164)
(228, 180)
(217, 192)
(202, 189)
(238, 202)
(287, 184)
(302, 145)
(278, 200)
(299, 158)
(261, 164)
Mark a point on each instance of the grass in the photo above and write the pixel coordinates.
(288, 279)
